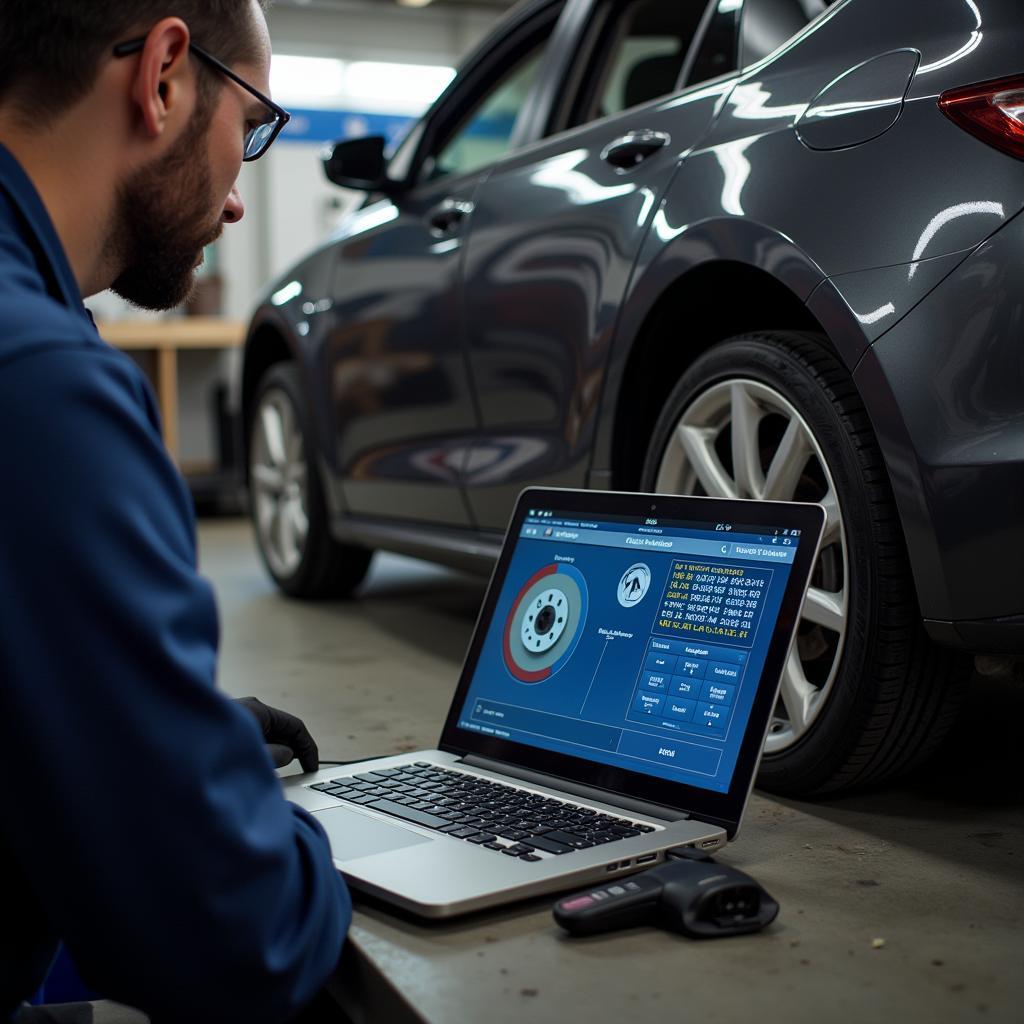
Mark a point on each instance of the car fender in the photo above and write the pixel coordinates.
(670, 254)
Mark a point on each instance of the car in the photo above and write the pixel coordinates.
(745, 248)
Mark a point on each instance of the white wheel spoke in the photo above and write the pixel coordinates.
(273, 434)
(825, 608)
(266, 509)
(268, 477)
(787, 464)
(300, 521)
(796, 693)
(285, 531)
(697, 443)
(746, 454)
(833, 523)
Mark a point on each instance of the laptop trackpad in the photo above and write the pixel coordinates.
(354, 835)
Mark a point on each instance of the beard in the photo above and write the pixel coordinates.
(163, 224)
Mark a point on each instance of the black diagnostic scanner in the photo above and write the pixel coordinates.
(690, 893)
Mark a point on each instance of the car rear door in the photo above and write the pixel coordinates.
(557, 227)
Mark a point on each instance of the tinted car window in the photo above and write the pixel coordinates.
(484, 136)
(767, 24)
(718, 52)
(639, 56)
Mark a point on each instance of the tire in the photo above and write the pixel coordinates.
(865, 695)
(287, 503)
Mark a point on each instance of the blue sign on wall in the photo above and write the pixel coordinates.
(336, 125)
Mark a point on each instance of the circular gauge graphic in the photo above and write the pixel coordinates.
(545, 623)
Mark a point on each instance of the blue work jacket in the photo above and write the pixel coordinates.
(141, 822)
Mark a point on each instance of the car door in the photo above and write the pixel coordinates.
(556, 229)
(403, 414)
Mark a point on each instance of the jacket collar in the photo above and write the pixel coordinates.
(44, 240)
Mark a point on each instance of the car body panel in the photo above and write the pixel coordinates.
(540, 320)
(953, 433)
(384, 377)
(880, 297)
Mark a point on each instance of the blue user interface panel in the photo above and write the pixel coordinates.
(638, 644)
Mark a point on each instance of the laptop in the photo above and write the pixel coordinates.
(613, 704)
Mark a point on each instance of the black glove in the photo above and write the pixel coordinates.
(286, 736)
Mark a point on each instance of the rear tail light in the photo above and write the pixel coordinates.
(990, 111)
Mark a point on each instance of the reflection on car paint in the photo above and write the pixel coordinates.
(972, 43)
(944, 217)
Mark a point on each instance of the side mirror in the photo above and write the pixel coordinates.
(359, 164)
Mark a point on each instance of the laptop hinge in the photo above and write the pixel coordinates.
(603, 796)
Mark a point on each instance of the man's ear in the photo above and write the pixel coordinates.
(163, 88)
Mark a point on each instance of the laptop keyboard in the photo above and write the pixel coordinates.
(515, 822)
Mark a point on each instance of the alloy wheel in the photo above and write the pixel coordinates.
(743, 439)
(280, 484)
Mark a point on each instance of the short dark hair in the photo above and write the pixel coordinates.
(50, 50)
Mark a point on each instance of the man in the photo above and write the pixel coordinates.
(142, 824)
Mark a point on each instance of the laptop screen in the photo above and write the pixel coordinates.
(637, 642)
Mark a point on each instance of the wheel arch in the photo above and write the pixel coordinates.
(267, 344)
(705, 295)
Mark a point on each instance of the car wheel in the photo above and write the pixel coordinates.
(287, 498)
(864, 694)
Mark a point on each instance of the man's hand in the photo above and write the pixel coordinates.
(286, 736)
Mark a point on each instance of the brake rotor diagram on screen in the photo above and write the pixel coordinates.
(545, 623)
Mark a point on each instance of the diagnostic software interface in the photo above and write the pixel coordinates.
(636, 643)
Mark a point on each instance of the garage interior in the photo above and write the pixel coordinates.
(898, 900)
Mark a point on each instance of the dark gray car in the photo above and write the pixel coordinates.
(765, 248)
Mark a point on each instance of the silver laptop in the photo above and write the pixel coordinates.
(613, 704)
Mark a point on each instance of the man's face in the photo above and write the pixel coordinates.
(168, 211)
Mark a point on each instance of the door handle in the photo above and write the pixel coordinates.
(447, 218)
(634, 148)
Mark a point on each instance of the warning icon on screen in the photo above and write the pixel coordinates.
(633, 586)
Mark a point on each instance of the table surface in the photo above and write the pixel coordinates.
(185, 332)
(868, 929)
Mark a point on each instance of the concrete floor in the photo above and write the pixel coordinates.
(932, 866)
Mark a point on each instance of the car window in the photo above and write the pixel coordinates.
(639, 56)
(767, 24)
(719, 50)
(485, 134)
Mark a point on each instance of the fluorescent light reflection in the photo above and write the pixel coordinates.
(973, 42)
(397, 84)
(877, 314)
(323, 82)
(940, 220)
(736, 169)
(290, 291)
(306, 80)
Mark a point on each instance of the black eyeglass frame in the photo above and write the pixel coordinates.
(282, 117)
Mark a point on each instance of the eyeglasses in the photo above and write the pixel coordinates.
(258, 139)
